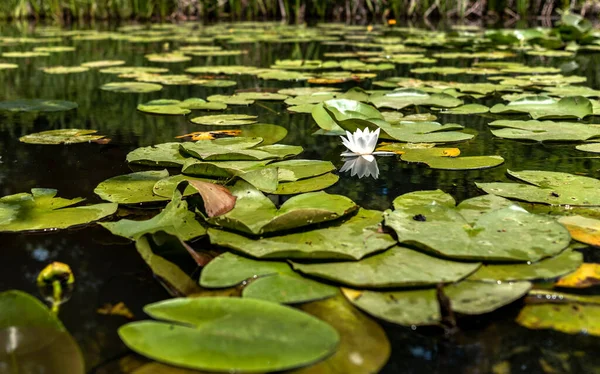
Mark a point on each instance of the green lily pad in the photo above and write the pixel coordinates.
(434, 161)
(474, 298)
(166, 187)
(396, 267)
(64, 69)
(41, 210)
(167, 57)
(546, 107)
(548, 187)
(133, 70)
(264, 336)
(592, 147)
(544, 130)
(405, 97)
(276, 281)
(25, 54)
(302, 91)
(261, 96)
(351, 239)
(230, 100)
(467, 109)
(35, 339)
(131, 87)
(572, 318)
(451, 70)
(407, 308)
(220, 169)
(224, 69)
(102, 64)
(7, 66)
(506, 234)
(317, 183)
(37, 105)
(564, 263)
(225, 120)
(562, 91)
(131, 188)
(175, 219)
(254, 213)
(64, 136)
(165, 154)
(239, 148)
(164, 106)
(54, 49)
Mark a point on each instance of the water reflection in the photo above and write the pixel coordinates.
(361, 166)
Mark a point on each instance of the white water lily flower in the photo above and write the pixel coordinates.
(362, 143)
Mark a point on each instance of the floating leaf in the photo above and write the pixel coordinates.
(583, 229)
(405, 97)
(396, 267)
(34, 338)
(553, 267)
(568, 318)
(64, 69)
(254, 213)
(364, 347)
(131, 188)
(242, 149)
(586, 275)
(102, 64)
(64, 136)
(165, 154)
(41, 210)
(225, 120)
(307, 185)
(131, 87)
(276, 281)
(351, 239)
(473, 298)
(544, 130)
(548, 187)
(467, 109)
(175, 219)
(435, 161)
(546, 107)
(271, 134)
(506, 234)
(407, 308)
(592, 147)
(217, 199)
(264, 336)
(37, 105)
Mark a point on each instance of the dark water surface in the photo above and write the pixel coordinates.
(109, 270)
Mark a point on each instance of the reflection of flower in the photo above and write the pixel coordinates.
(361, 166)
(362, 143)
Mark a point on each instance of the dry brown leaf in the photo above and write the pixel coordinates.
(587, 275)
(217, 199)
(119, 309)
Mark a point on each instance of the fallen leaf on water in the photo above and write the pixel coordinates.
(210, 135)
(217, 199)
(119, 309)
(587, 275)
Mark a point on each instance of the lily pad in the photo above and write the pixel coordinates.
(102, 64)
(506, 234)
(175, 219)
(254, 213)
(592, 147)
(264, 336)
(405, 97)
(435, 161)
(220, 169)
(583, 229)
(548, 187)
(242, 149)
(64, 136)
(396, 267)
(165, 154)
(317, 183)
(131, 188)
(572, 318)
(407, 308)
(544, 130)
(586, 275)
(546, 107)
(553, 267)
(167, 57)
(351, 239)
(225, 120)
(37, 105)
(474, 298)
(276, 281)
(467, 109)
(131, 87)
(35, 339)
(64, 69)
(41, 210)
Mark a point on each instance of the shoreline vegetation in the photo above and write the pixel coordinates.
(298, 11)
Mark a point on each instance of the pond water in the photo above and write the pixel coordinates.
(108, 268)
